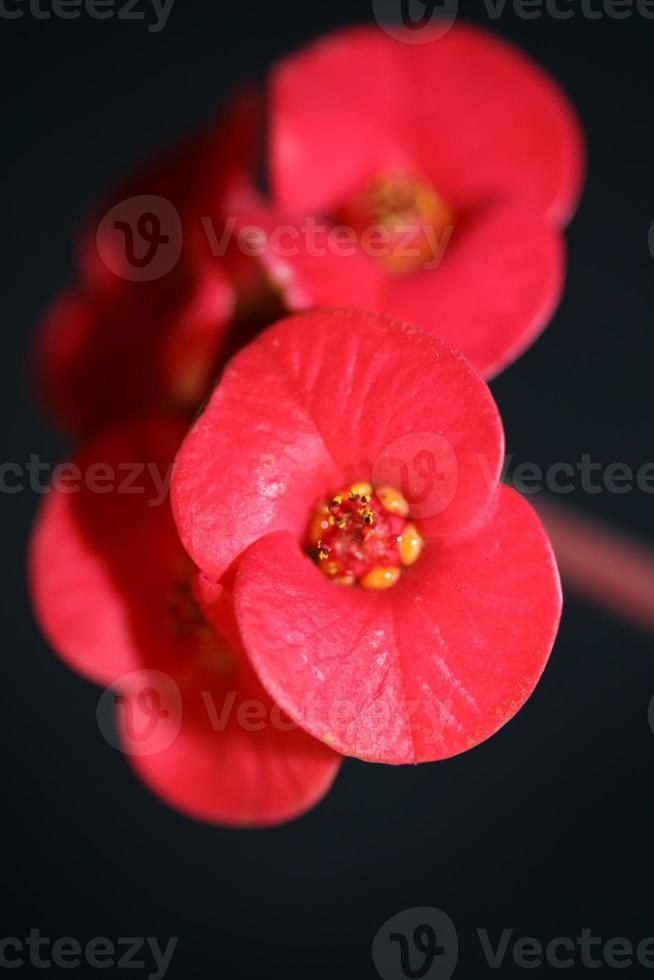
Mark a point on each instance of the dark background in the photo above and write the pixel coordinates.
(546, 828)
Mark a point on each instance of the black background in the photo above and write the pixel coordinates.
(546, 828)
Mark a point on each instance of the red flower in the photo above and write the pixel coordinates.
(144, 328)
(461, 151)
(375, 450)
(118, 598)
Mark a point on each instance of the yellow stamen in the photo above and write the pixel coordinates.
(393, 501)
(382, 577)
(410, 544)
(417, 220)
(318, 525)
(360, 490)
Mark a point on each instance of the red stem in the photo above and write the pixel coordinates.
(601, 564)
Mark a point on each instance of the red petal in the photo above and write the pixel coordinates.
(508, 128)
(326, 397)
(131, 340)
(494, 290)
(68, 579)
(423, 671)
(493, 123)
(103, 357)
(253, 461)
(106, 572)
(89, 551)
(302, 264)
(339, 112)
(227, 754)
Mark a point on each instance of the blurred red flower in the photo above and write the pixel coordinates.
(144, 327)
(430, 182)
(120, 602)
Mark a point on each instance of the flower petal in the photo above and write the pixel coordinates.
(111, 587)
(319, 147)
(104, 357)
(144, 332)
(496, 289)
(503, 126)
(303, 259)
(423, 671)
(475, 114)
(492, 285)
(88, 549)
(227, 754)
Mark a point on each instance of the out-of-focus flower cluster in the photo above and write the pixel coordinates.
(338, 570)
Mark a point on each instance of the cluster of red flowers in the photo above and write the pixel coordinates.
(338, 570)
